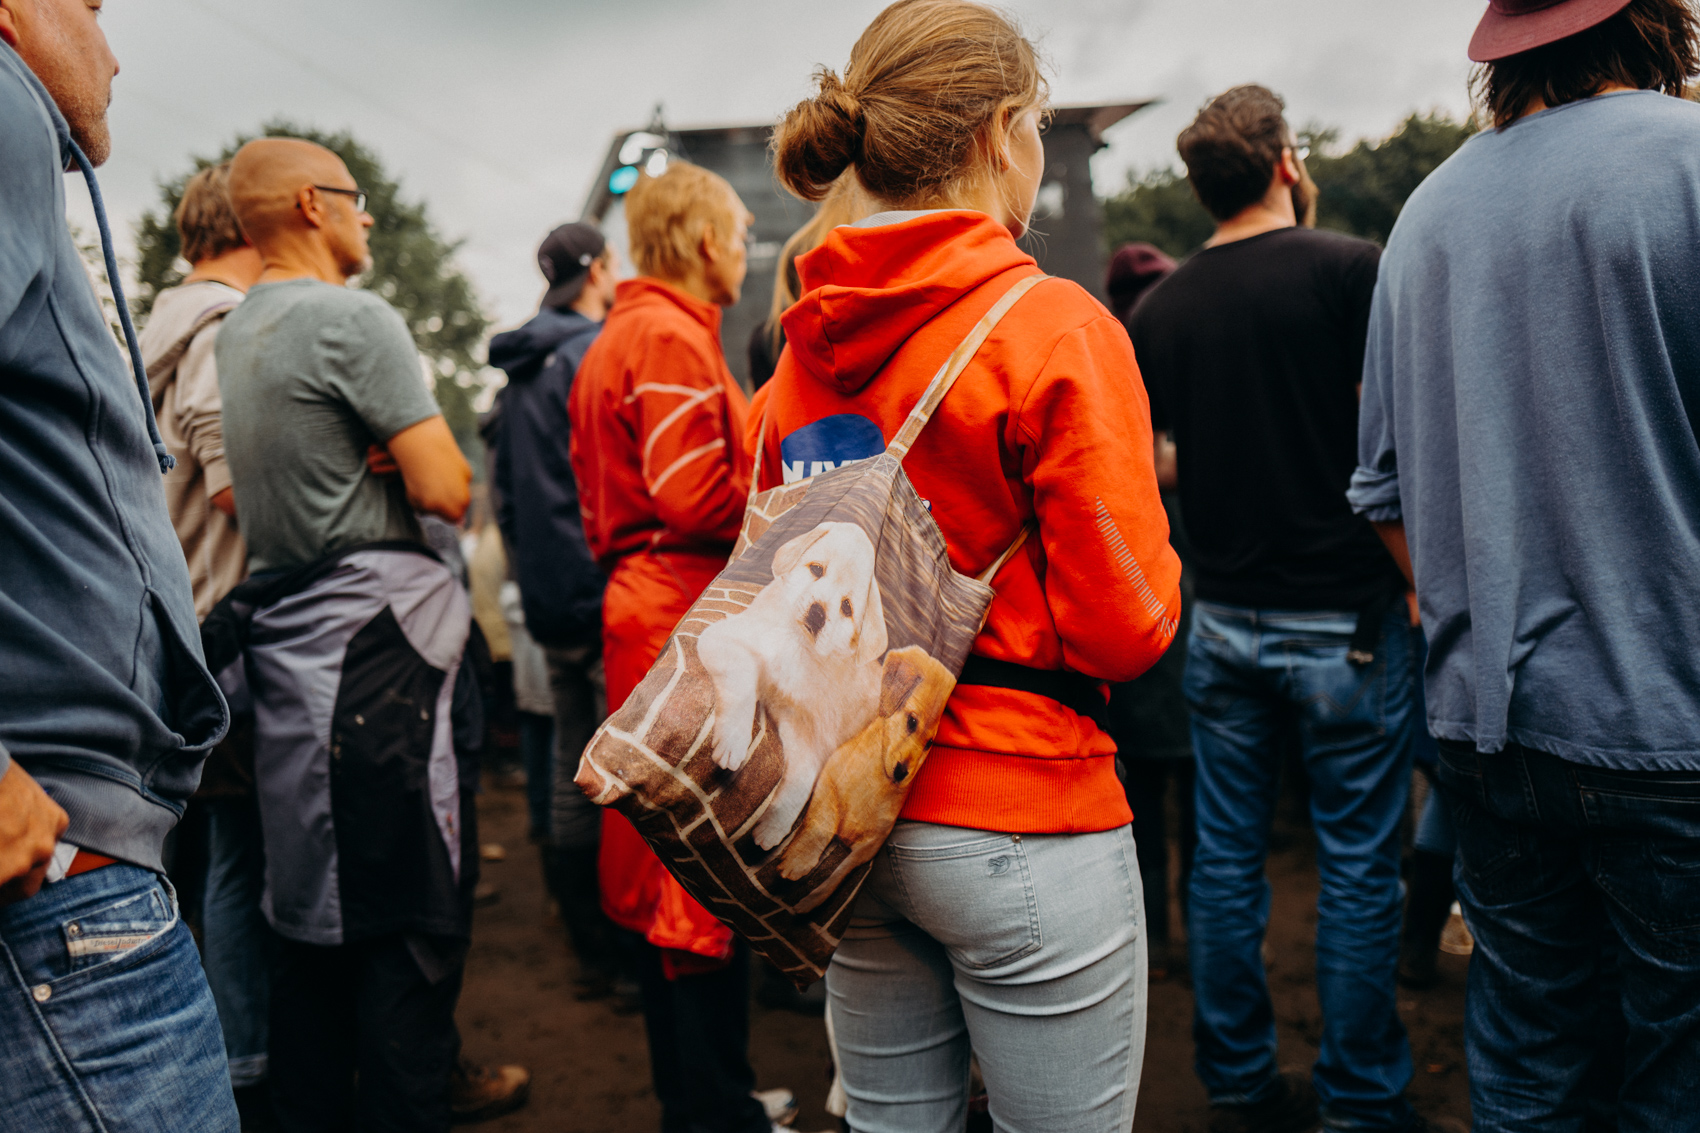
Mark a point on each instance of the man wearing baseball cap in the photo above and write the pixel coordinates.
(1530, 400)
(537, 508)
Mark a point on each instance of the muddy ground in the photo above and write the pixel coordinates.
(591, 1075)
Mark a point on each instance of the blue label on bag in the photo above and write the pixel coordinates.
(828, 443)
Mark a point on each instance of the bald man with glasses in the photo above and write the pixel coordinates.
(356, 633)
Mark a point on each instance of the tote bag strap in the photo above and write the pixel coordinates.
(755, 469)
(991, 572)
(930, 400)
(954, 365)
(936, 389)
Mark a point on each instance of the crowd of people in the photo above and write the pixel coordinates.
(1299, 506)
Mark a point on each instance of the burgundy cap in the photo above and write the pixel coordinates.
(1512, 27)
(1134, 270)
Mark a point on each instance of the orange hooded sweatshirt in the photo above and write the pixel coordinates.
(1049, 420)
(657, 448)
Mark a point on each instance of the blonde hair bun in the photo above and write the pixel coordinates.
(923, 80)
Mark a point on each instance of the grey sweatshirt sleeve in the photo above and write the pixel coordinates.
(1374, 492)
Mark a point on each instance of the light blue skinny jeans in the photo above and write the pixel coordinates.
(1027, 949)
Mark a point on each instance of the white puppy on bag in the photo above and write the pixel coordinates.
(807, 649)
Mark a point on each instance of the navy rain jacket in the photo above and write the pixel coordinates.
(537, 498)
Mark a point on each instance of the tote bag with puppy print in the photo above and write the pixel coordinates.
(767, 754)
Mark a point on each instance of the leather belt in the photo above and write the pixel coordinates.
(87, 860)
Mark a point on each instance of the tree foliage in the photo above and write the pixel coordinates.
(1360, 191)
(1157, 208)
(1363, 189)
(413, 269)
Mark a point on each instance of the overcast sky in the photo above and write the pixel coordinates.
(497, 112)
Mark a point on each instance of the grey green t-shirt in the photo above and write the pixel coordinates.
(311, 374)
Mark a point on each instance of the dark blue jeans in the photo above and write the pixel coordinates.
(1251, 674)
(1581, 886)
(537, 751)
(106, 1022)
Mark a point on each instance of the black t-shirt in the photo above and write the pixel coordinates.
(1252, 353)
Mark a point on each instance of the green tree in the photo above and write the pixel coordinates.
(1157, 208)
(1364, 189)
(1360, 191)
(413, 268)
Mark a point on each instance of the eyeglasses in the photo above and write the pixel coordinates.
(1299, 152)
(359, 195)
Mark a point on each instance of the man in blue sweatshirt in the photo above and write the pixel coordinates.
(1530, 398)
(106, 708)
(537, 508)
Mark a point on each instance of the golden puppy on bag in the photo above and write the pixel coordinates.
(862, 787)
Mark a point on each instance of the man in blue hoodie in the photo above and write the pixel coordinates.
(106, 708)
(537, 508)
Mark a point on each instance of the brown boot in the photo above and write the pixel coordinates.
(478, 1093)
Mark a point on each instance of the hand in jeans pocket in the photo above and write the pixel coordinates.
(106, 1011)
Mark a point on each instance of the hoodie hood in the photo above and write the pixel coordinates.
(521, 352)
(866, 290)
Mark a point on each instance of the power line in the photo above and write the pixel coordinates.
(306, 63)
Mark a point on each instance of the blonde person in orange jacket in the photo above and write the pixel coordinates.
(657, 450)
(1004, 916)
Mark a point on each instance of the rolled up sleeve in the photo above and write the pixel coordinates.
(1374, 491)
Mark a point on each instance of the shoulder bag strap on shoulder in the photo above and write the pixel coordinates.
(935, 391)
(955, 364)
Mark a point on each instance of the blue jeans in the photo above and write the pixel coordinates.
(1028, 950)
(1434, 834)
(1251, 675)
(238, 947)
(1581, 886)
(106, 1022)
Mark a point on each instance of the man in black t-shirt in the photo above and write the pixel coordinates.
(1253, 350)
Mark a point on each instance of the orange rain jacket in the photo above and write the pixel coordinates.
(657, 430)
(1049, 420)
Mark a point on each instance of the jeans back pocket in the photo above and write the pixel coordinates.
(975, 897)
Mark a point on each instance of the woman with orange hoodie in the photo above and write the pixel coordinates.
(1004, 915)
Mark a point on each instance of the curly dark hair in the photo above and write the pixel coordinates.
(1232, 147)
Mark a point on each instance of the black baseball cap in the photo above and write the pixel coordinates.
(565, 257)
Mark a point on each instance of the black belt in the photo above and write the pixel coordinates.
(1075, 691)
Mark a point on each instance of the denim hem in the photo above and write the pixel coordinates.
(248, 1070)
(1245, 1097)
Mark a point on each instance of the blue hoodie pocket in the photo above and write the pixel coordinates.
(194, 709)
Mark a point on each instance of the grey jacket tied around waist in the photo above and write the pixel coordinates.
(104, 697)
(350, 664)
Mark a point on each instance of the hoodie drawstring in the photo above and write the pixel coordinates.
(166, 461)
